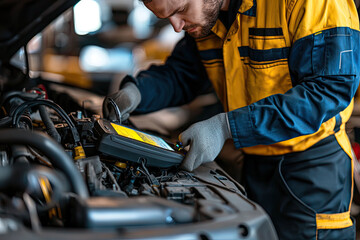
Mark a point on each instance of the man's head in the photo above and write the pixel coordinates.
(196, 17)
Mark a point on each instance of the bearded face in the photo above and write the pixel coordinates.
(196, 17)
(210, 13)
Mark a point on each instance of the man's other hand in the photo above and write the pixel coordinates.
(206, 139)
(126, 100)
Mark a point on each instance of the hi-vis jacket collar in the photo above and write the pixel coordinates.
(248, 7)
(244, 7)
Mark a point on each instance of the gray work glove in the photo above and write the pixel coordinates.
(126, 99)
(206, 139)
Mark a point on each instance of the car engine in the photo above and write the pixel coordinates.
(54, 176)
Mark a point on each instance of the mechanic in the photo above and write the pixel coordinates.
(286, 73)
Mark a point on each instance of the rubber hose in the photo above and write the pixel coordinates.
(52, 150)
(5, 122)
(49, 124)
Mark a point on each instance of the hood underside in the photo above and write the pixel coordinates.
(21, 20)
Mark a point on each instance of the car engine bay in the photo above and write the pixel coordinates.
(62, 177)
(64, 181)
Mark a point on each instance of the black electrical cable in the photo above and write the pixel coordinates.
(20, 109)
(116, 109)
(145, 174)
(26, 122)
(18, 112)
(52, 150)
(23, 95)
(49, 124)
(27, 65)
(143, 162)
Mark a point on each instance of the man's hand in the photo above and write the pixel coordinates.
(206, 140)
(126, 100)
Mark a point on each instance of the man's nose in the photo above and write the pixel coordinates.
(177, 23)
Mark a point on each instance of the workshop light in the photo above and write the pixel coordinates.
(87, 17)
(140, 20)
(94, 57)
(98, 59)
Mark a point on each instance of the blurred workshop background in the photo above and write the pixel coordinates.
(98, 42)
(88, 50)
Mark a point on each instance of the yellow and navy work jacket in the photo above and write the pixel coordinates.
(285, 71)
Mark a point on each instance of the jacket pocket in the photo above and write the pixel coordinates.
(265, 62)
(266, 48)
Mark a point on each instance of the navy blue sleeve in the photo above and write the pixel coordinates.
(325, 72)
(177, 82)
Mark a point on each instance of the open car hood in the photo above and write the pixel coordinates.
(21, 20)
